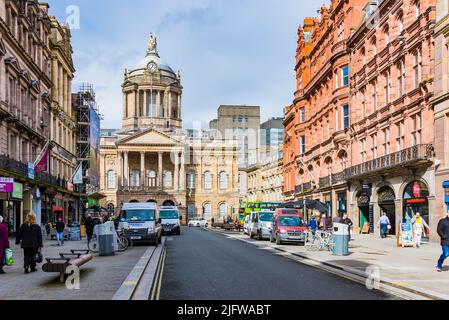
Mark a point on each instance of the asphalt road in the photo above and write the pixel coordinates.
(204, 265)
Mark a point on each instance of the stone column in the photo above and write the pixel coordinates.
(169, 105)
(145, 113)
(182, 173)
(158, 103)
(176, 178)
(120, 170)
(56, 78)
(142, 170)
(138, 104)
(160, 172)
(179, 106)
(126, 170)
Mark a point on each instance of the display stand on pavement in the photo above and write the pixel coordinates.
(405, 235)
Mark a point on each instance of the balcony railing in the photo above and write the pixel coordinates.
(419, 152)
(9, 164)
(21, 169)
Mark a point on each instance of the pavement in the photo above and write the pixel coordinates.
(203, 265)
(100, 278)
(410, 269)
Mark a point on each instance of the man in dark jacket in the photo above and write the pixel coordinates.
(347, 221)
(60, 226)
(89, 224)
(443, 232)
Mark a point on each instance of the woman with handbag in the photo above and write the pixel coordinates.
(30, 238)
(4, 244)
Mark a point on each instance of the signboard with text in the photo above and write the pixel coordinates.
(6, 185)
(406, 235)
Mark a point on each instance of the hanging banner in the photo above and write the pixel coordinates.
(41, 164)
(78, 175)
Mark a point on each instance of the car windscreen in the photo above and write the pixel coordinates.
(137, 215)
(169, 214)
(265, 216)
(291, 222)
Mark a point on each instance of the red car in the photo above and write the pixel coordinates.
(288, 226)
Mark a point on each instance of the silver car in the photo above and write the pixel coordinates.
(260, 224)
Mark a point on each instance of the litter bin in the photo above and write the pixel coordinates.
(106, 232)
(341, 239)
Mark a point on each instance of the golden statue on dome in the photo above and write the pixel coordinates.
(152, 44)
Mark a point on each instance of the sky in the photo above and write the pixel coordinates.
(228, 51)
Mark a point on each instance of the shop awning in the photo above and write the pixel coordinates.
(97, 196)
(310, 204)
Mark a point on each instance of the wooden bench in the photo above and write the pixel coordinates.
(74, 258)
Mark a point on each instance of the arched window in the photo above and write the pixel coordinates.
(111, 179)
(135, 178)
(168, 179)
(223, 180)
(207, 210)
(223, 210)
(207, 180)
(152, 179)
(191, 180)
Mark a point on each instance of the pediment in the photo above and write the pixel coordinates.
(149, 137)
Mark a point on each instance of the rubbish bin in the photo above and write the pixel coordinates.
(106, 232)
(341, 239)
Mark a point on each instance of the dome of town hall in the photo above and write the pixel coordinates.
(151, 94)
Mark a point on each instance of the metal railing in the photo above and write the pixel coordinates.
(418, 152)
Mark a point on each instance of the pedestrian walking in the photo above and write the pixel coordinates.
(348, 222)
(324, 223)
(29, 237)
(89, 224)
(4, 244)
(419, 228)
(313, 224)
(443, 232)
(48, 228)
(384, 224)
(60, 226)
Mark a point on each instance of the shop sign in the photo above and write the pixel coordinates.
(6, 185)
(30, 170)
(18, 191)
(414, 201)
(363, 200)
(406, 236)
(367, 189)
(416, 190)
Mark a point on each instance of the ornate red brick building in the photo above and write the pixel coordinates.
(317, 123)
(359, 135)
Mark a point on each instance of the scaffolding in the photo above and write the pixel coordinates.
(83, 101)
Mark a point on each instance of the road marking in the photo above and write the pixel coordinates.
(159, 284)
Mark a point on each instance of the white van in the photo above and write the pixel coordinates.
(139, 223)
(169, 218)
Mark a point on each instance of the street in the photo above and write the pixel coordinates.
(204, 265)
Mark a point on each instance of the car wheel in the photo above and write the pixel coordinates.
(278, 240)
(206, 225)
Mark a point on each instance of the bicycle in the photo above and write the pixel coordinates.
(123, 242)
(321, 240)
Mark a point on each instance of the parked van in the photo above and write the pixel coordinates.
(260, 224)
(288, 226)
(169, 219)
(139, 223)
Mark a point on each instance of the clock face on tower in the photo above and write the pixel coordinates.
(152, 67)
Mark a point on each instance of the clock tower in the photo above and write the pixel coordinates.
(152, 94)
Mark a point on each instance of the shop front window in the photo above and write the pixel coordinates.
(342, 203)
(415, 201)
